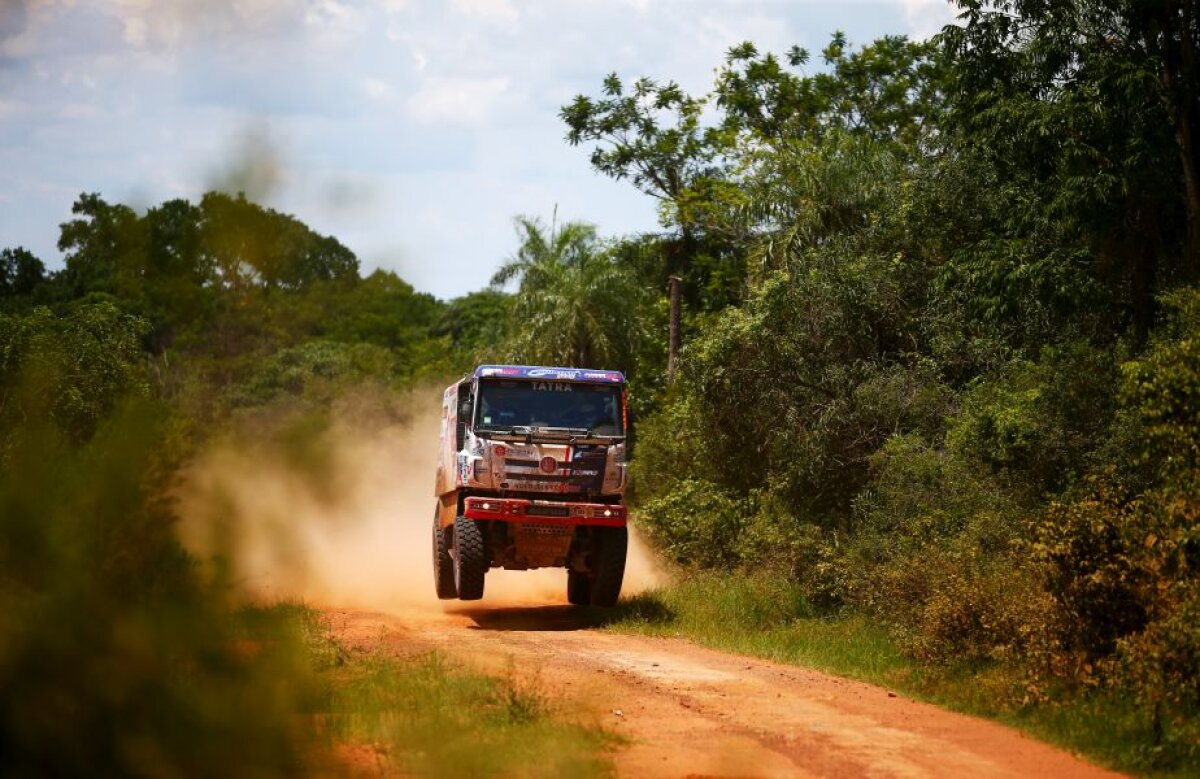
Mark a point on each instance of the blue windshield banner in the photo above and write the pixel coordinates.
(557, 374)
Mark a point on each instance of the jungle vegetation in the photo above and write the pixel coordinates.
(940, 371)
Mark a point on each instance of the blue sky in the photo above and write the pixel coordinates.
(412, 130)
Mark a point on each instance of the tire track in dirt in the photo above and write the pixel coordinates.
(690, 711)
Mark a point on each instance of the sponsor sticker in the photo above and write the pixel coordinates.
(552, 373)
(565, 374)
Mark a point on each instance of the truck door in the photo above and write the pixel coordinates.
(464, 413)
(456, 417)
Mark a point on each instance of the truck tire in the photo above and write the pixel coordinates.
(608, 563)
(470, 559)
(579, 589)
(443, 564)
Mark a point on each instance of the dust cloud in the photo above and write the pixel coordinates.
(355, 534)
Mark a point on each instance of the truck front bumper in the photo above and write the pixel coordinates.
(549, 511)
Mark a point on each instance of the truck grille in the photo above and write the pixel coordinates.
(533, 529)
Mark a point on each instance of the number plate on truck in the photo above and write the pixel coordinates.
(536, 510)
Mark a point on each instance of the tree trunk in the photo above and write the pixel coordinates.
(1145, 272)
(1186, 127)
(1179, 76)
(1187, 151)
(674, 292)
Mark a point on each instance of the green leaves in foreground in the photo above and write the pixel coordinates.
(115, 659)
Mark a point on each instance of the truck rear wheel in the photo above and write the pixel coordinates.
(608, 563)
(443, 564)
(470, 559)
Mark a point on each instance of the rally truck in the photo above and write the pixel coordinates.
(531, 474)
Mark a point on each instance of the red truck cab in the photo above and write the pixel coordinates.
(531, 474)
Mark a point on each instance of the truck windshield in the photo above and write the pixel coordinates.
(594, 408)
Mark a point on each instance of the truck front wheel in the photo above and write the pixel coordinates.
(443, 564)
(470, 559)
(608, 564)
(579, 588)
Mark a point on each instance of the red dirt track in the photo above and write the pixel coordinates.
(687, 711)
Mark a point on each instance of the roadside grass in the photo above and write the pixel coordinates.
(430, 716)
(767, 617)
(1111, 730)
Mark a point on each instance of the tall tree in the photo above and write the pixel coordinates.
(1089, 106)
(574, 303)
(103, 247)
(254, 246)
(20, 272)
(702, 156)
(652, 135)
(890, 91)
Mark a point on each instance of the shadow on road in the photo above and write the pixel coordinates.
(535, 618)
(560, 617)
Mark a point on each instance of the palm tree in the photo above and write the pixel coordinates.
(574, 304)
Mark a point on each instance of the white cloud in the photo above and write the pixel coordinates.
(927, 17)
(24, 28)
(420, 58)
(144, 26)
(397, 114)
(165, 24)
(134, 33)
(334, 24)
(377, 89)
(457, 100)
(500, 10)
(641, 6)
(79, 111)
(260, 14)
(21, 45)
(10, 109)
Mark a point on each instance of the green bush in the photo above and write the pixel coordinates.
(922, 494)
(115, 659)
(1035, 421)
(1160, 664)
(1089, 548)
(697, 523)
(318, 369)
(985, 609)
(935, 556)
(1121, 553)
(72, 368)
(667, 452)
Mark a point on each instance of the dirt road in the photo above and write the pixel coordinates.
(685, 710)
(689, 711)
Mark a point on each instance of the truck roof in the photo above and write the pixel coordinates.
(543, 372)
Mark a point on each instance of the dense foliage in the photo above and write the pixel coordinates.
(940, 362)
(119, 653)
(941, 368)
